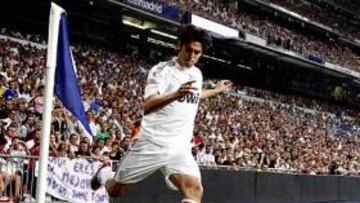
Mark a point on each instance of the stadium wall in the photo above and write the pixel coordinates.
(252, 187)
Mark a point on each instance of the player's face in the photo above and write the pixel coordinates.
(190, 54)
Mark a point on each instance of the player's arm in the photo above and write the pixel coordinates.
(156, 101)
(220, 86)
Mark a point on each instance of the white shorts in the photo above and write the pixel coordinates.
(144, 157)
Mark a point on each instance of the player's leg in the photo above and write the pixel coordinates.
(189, 186)
(105, 177)
(183, 174)
(142, 160)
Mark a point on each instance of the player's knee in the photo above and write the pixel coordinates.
(114, 189)
(114, 193)
(199, 190)
(196, 190)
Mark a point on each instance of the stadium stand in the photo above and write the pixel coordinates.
(252, 128)
(342, 22)
(246, 128)
(275, 32)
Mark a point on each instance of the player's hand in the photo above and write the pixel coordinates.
(186, 88)
(223, 85)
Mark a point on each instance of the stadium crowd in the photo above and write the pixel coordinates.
(352, 5)
(301, 102)
(275, 32)
(325, 14)
(259, 122)
(269, 135)
(244, 128)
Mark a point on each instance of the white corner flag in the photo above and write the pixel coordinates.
(61, 77)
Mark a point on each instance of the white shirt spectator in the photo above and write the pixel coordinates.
(39, 104)
(30, 144)
(206, 159)
(105, 149)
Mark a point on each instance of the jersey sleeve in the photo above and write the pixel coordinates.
(156, 81)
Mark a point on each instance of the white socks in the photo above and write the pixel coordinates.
(105, 174)
(188, 201)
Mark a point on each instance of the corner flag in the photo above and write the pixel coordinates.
(59, 70)
(66, 86)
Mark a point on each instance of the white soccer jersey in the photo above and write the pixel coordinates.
(174, 123)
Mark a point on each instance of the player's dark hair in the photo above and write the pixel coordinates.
(190, 33)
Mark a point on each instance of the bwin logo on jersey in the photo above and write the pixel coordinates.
(190, 98)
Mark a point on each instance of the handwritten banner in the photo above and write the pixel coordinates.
(69, 179)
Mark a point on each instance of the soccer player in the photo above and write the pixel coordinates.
(171, 99)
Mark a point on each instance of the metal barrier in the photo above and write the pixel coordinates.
(17, 178)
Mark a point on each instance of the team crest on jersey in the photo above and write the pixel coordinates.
(190, 98)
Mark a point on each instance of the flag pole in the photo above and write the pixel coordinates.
(54, 19)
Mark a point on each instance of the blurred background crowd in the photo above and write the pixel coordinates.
(280, 34)
(244, 128)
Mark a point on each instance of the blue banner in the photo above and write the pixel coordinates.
(316, 59)
(159, 8)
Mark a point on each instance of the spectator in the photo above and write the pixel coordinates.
(39, 102)
(59, 124)
(4, 176)
(21, 112)
(84, 150)
(117, 153)
(92, 123)
(9, 135)
(9, 169)
(11, 92)
(197, 139)
(18, 148)
(33, 138)
(2, 86)
(27, 126)
(206, 158)
(54, 140)
(63, 150)
(103, 149)
(74, 143)
(11, 118)
(103, 133)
